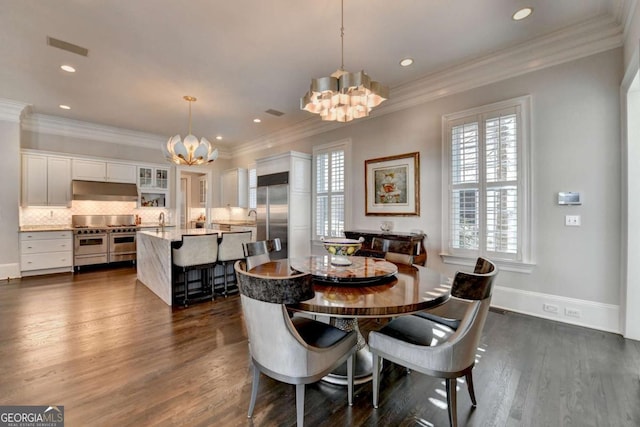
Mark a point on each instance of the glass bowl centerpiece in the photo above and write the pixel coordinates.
(339, 248)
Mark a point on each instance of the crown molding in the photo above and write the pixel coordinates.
(581, 40)
(12, 111)
(306, 128)
(624, 14)
(53, 125)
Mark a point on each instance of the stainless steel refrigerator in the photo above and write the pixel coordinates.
(273, 210)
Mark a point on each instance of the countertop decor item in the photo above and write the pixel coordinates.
(343, 96)
(189, 152)
(340, 248)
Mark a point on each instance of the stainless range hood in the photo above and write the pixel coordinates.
(108, 191)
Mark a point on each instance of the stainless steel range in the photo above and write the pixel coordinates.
(101, 239)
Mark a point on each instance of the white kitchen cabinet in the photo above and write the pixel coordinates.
(153, 178)
(46, 180)
(153, 183)
(234, 188)
(121, 172)
(45, 252)
(202, 191)
(97, 170)
(89, 170)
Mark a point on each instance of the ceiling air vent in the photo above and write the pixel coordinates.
(69, 47)
(274, 112)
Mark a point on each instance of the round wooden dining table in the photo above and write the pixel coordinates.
(368, 287)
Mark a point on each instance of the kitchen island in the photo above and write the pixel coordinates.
(154, 257)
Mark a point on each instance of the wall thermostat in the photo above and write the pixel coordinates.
(569, 198)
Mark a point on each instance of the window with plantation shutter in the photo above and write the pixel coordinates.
(486, 180)
(329, 189)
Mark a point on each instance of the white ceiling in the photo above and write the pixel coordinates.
(242, 57)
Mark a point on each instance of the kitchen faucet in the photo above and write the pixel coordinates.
(161, 221)
(253, 211)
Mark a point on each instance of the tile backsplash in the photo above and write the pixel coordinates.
(229, 213)
(51, 215)
(62, 216)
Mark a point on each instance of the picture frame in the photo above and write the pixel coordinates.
(392, 185)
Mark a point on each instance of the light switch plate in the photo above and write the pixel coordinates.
(572, 220)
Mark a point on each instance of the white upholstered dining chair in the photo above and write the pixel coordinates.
(436, 348)
(295, 351)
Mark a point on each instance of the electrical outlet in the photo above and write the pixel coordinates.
(572, 312)
(550, 308)
(572, 220)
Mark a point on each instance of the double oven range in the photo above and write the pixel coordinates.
(101, 239)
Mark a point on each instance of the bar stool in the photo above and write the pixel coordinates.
(230, 251)
(194, 253)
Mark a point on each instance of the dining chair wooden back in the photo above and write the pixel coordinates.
(434, 348)
(295, 351)
(397, 258)
(257, 253)
(391, 245)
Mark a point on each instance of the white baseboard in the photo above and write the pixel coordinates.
(604, 317)
(9, 271)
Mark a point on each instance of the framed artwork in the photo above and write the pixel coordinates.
(392, 185)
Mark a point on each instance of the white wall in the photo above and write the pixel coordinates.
(10, 193)
(632, 36)
(575, 144)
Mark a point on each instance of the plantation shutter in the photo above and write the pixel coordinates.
(330, 185)
(484, 184)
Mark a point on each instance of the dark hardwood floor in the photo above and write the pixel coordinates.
(114, 354)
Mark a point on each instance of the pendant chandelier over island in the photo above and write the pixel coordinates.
(189, 152)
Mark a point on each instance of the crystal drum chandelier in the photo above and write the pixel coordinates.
(190, 152)
(343, 96)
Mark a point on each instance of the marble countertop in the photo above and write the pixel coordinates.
(47, 227)
(174, 235)
(234, 222)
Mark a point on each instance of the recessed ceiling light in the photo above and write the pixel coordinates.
(68, 68)
(523, 13)
(64, 107)
(256, 120)
(406, 62)
(218, 137)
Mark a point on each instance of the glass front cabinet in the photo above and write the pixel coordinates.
(155, 178)
(153, 186)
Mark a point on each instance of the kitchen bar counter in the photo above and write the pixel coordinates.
(154, 258)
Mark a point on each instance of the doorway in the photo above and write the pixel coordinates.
(193, 198)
